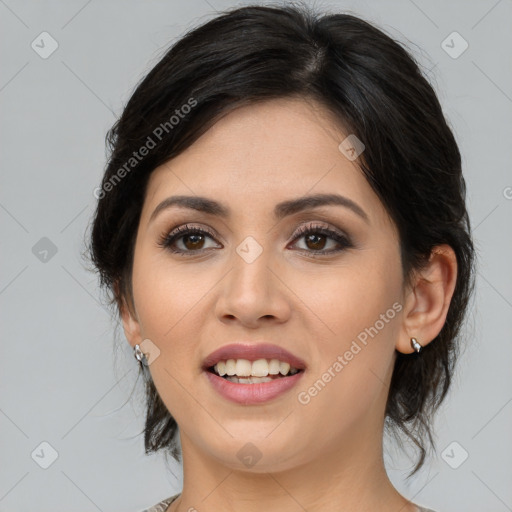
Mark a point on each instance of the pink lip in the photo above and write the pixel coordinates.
(252, 353)
(248, 394)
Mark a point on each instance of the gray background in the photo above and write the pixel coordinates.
(59, 380)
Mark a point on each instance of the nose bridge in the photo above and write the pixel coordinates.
(251, 290)
(251, 274)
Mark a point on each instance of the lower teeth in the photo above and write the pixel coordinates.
(250, 380)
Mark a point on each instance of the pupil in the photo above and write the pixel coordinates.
(194, 243)
(312, 236)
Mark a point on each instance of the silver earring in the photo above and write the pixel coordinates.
(139, 355)
(415, 345)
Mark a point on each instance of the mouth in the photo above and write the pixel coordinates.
(242, 371)
(253, 363)
(269, 370)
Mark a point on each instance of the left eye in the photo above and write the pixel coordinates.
(192, 239)
(316, 236)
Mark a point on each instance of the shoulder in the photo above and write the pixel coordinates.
(161, 506)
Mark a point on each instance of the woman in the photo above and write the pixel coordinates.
(283, 230)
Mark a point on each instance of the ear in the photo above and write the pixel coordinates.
(428, 299)
(131, 324)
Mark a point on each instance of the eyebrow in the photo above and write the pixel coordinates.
(281, 210)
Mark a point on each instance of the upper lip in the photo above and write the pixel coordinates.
(252, 352)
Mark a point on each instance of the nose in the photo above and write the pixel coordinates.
(253, 293)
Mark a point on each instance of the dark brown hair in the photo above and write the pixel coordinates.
(375, 88)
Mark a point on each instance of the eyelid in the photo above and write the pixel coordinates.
(318, 224)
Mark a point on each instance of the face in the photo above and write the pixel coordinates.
(330, 295)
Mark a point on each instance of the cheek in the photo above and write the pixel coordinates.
(167, 295)
(168, 302)
(357, 320)
(170, 305)
(346, 299)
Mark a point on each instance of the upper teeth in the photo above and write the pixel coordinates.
(258, 368)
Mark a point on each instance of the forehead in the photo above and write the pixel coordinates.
(266, 152)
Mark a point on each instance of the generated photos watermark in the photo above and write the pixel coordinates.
(304, 397)
(151, 142)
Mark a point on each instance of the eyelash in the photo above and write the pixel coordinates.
(167, 240)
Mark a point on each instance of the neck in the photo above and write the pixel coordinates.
(351, 478)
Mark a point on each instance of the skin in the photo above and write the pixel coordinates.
(325, 455)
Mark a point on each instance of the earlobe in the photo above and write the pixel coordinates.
(428, 299)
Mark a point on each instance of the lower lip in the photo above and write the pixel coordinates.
(247, 394)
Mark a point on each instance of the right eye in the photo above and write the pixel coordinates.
(191, 237)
